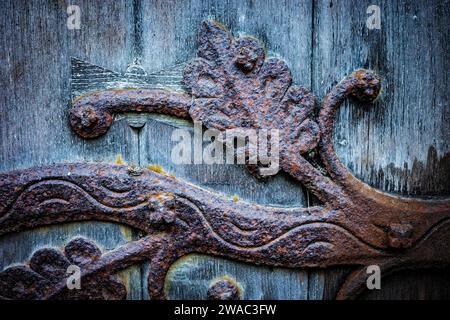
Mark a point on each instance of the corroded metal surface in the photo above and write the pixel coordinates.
(46, 274)
(230, 85)
(179, 218)
(91, 115)
(223, 289)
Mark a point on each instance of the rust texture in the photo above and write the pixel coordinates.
(230, 85)
(223, 289)
(47, 271)
(91, 115)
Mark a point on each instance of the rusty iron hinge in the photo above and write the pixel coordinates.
(230, 85)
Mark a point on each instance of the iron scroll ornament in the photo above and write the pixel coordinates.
(230, 85)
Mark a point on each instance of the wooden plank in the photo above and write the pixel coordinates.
(413, 285)
(36, 51)
(169, 31)
(400, 144)
(191, 277)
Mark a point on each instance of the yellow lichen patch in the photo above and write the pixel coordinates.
(164, 195)
(124, 275)
(235, 198)
(187, 261)
(119, 160)
(159, 169)
(126, 232)
(156, 168)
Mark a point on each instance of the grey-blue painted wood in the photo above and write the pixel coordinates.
(191, 277)
(35, 65)
(401, 144)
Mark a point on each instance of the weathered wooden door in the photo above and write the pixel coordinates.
(399, 144)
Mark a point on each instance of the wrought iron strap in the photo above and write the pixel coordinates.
(180, 218)
(230, 85)
(91, 115)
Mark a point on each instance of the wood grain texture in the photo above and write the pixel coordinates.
(35, 66)
(191, 276)
(413, 285)
(169, 30)
(401, 143)
(37, 47)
